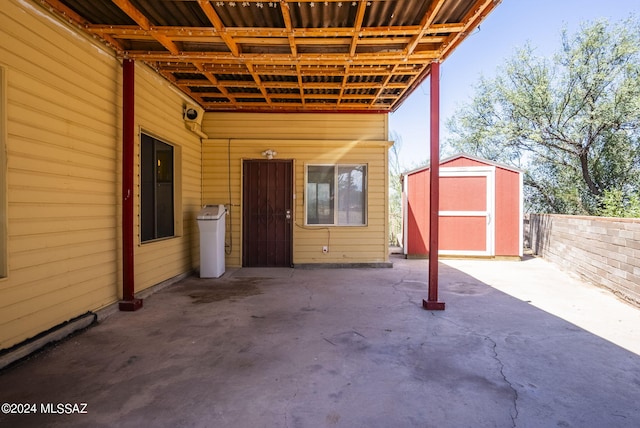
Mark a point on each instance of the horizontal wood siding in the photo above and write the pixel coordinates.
(296, 126)
(159, 113)
(62, 120)
(63, 148)
(366, 244)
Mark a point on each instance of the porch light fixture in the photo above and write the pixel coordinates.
(269, 153)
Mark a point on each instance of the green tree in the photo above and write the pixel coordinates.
(572, 122)
(395, 190)
(616, 204)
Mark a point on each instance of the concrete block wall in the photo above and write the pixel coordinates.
(604, 251)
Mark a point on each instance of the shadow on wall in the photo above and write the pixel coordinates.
(538, 233)
(417, 239)
(601, 250)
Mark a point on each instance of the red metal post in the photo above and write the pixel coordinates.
(434, 193)
(128, 302)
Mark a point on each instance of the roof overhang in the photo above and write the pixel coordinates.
(354, 56)
(466, 156)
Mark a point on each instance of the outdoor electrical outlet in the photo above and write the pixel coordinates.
(325, 249)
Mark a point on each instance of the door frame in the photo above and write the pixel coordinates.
(489, 172)
(291, 203)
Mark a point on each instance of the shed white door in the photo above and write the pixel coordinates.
(467, 206)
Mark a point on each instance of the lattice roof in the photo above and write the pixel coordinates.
(363, 55)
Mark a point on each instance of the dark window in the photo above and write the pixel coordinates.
(156, 189)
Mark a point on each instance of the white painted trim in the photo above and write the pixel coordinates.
(467, 156)
(475, 171)
(405, 214)
(463, 213)
(336, 212)
(491, 208)
(521, 215)
(462, 253)
(466, 171)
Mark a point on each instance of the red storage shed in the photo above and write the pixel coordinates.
(480, 209)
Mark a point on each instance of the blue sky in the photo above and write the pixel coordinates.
(510, 26)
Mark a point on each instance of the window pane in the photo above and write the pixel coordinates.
(147, 189)
(164, 154)
(164, 190)
(320, 194)
(156, 189)
(351, 195)
(344, 184)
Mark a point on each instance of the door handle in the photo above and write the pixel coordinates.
(288, 214)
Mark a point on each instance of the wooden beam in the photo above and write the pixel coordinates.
(362, 7)
(445, 28)
(71, 16)
(133, 13)
(425, 23)
(288, 25)
(374, 59)
(144, 23)
(384, 84)
(212, 78)
(472, 20)
(286, 52)
(261, 32)
(283, 85)
(215, 20)
(258, 81)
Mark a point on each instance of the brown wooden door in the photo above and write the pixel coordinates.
(267, 211)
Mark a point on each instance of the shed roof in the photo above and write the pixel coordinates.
(286, 55)
(467, 156)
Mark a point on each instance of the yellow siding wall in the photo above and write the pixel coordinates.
(297, 126)
(307, 139)
(3, 173)
(159, 114)
(63, 138)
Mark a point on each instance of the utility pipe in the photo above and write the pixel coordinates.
(128, 302)
(434, 191)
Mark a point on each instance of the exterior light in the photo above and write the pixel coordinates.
(269, 153)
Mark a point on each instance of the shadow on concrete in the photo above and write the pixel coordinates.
(345, 347)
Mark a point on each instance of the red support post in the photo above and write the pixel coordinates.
(434, 192)
(128, 302)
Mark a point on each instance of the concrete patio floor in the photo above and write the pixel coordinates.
(520, 344)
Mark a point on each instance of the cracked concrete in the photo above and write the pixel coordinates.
(494, 347)
(351, 348)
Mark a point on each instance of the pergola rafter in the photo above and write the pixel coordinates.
(287, 55)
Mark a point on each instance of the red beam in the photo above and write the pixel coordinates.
(128, 302)
(434, 192)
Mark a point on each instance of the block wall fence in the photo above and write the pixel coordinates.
(603, 251)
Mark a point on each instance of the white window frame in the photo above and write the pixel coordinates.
(336, 211)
